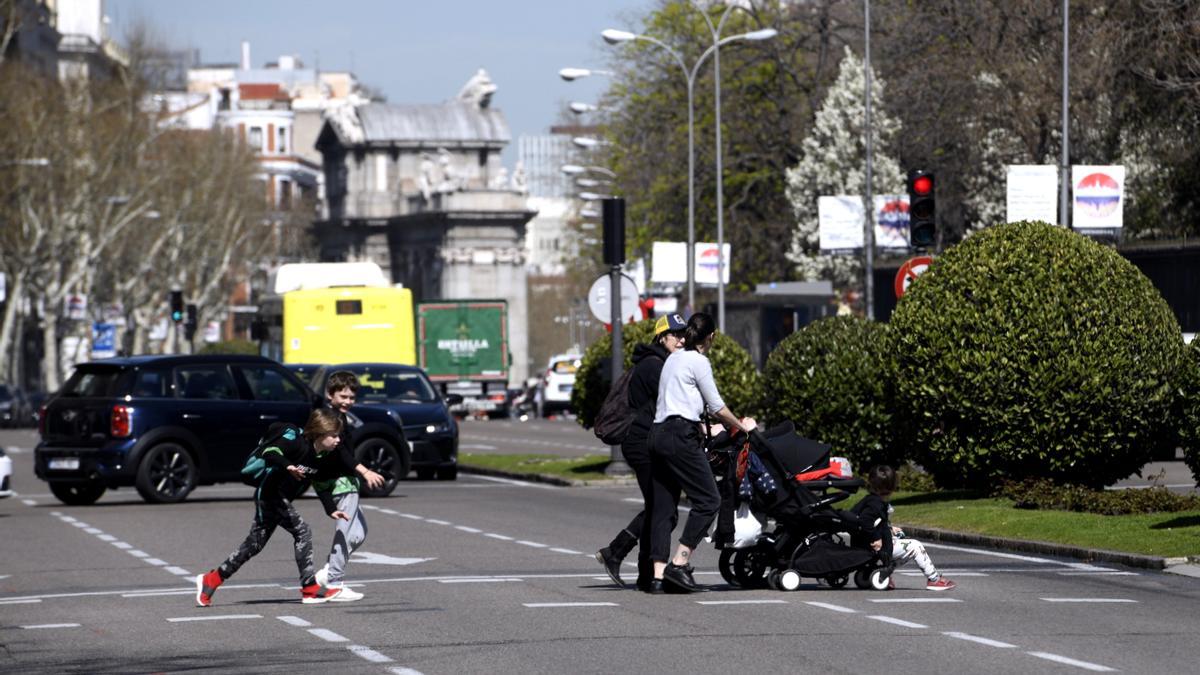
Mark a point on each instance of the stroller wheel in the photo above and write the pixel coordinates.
(724, 564)
(879, 578)
(837, 580)
(862, 579)
(789, 580)
(750, 568)
(773, 580)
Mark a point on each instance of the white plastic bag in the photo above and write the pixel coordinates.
(746, 528)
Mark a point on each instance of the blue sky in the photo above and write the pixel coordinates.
(415, 52)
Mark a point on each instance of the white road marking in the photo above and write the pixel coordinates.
(741, 602)
(411, 516)
(294, 621)
(369, 654)
(381, 559)
(400, 670)
(177, 571)
(65, 519)
(51, 625)
(981, 640)
(81, 525)
(915, 600)
(28, 502)
(570, 551)
(510, 481)
(138, 553)
(156, 562)
(1105, 573)
(92, 530)
(541, 605)
(477, 446)
(106, 537)
(390, 512)
(896, 622)
(949, 574)
(435, 521)
(464, 528)
(532, 544)
(836, 608)
(1072, 662)
(1089, 600)
(22, 601)
(151, 594)
(477, 580)
(219, 617)
(996, 554)
(501, 537)
(327, 635)
(122, 545)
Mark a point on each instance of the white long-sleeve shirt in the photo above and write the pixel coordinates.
(686, 387)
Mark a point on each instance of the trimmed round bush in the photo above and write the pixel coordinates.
(1030, 351)
(737, 379)
(832, 380)
(1188, 408)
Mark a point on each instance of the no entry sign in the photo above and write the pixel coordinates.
(909, 271)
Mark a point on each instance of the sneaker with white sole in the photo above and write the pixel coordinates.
(942, 584)
(346, 595)
(314, 594)
(322, 576)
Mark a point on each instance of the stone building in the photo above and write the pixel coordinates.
(420, 190)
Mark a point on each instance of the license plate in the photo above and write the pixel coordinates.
(64, 463)
(565, 388)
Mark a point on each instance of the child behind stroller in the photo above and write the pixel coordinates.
(807, 540)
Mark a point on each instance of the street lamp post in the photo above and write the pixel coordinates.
(613, 36)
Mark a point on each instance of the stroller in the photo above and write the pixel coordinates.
(810, 536)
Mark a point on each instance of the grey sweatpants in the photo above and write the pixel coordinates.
(349, 536)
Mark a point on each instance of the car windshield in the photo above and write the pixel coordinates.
(383, 384)
(95, 381)
(565, 367)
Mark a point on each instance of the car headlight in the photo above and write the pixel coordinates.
(436, 428)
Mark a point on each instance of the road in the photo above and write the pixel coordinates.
(490, 575)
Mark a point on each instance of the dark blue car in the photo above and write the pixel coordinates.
(406, 391)
(165, 424)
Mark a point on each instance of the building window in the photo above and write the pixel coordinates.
(256, 138)
(281, 141)
(226, 101)
(285, 195)
(381, 172)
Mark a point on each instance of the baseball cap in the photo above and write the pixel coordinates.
(669, 322)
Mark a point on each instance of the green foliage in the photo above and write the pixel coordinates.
(1044, 494)
(1031, 351)
(1187, 408)
(831, 379)
(230, 347)
(737, 379)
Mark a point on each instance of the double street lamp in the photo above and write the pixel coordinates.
(613, 36)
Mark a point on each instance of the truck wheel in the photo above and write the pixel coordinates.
(166, 475)
(382, 457)
(447, 472)
(78, 494)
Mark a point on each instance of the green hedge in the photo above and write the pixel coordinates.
(737, 379)
(230, 347)
(1031, 351)
(1187, 408)
(833, 380)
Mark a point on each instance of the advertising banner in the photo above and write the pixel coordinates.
(706, 264)
(104, 340)
(1032, 193)
(840, 222)
(891, 221)
(668, 264)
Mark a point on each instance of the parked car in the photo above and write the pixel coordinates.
(6, 489)
(406, 391)
(165, 424)
(557, 384)
(304, 371)
(14, 407)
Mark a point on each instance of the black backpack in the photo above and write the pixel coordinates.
(256, 468)
(616, 415)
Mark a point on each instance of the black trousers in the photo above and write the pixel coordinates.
(678, 464)
(637, 455)
(273, 511)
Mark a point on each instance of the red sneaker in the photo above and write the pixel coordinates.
(942, 584)
(315, 594)
(206, 585)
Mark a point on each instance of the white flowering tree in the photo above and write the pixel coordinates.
(833, 162)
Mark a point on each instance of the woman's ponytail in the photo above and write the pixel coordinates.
(699, 327)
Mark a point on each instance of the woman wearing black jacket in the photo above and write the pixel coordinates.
(643, 394)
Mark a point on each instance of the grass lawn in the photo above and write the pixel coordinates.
(1158, 534)
(588, 467)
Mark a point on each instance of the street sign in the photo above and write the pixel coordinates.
(910, 270)
(104, 340)
(598, 299)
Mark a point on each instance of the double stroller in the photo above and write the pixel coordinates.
(796, 488)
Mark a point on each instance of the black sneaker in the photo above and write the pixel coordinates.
(652, 587)
(680, 577)
(612, 565)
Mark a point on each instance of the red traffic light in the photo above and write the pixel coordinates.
(922, 185)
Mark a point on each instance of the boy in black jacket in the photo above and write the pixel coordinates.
(290, 458)
(882, 482)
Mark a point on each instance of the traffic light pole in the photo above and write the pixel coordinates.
(869, 224)
(613, 214)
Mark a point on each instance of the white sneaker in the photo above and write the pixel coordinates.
(347, 595)
(322, 576)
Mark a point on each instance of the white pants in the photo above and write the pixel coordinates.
(905, 550)
(349, 536)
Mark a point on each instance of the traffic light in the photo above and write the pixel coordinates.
(922, 220)
(189, 326)
(614, 230)
(177, 306)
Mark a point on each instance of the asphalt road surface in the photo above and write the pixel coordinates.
(495, 576)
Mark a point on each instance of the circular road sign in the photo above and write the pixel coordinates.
(598, 299)
(911, 270)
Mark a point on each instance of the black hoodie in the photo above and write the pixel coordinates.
(648, 362)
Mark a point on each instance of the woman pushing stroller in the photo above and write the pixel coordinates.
(686, 390)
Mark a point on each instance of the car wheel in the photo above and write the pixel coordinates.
(447, 472)
(426, 473)
(382, 457)
(78, 494)
(167, 474)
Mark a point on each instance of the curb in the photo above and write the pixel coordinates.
(546, 478)
(1042, 547)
